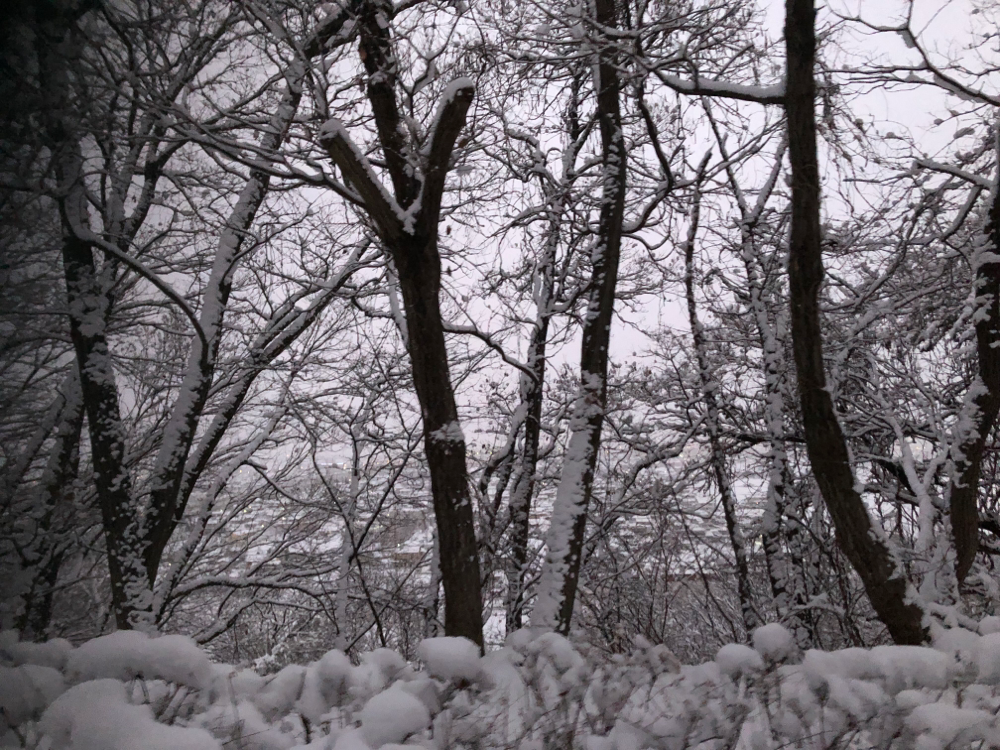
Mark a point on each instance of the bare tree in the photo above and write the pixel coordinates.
(862, 541)
(557, 592)
(407, 224)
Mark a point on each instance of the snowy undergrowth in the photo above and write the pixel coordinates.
(126, 691)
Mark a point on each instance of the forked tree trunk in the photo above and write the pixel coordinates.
(862, 541)
(138, 528)
(407, 224)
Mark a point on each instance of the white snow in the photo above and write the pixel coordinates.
(911, 666)
(325, 686)
(989, 625)
(231, 684)
(26, 691)
(450, 658)
(459, 84)
(725, 88)
(448, 433)
(958, 642)
(774, 642)
(987, 659)
(243, 726)
(96, 715)
(378, 669)
(538, 686)
(126, 654)
(735, 659)
(949, 724)
(52, 653)
(281, 692)
(392, 716)
(352, 740)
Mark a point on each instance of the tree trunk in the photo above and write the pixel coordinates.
(124, 533)
(984, 395)
(57, 478)
(419, 267)
(167, 502)
(413, 246)
(862, 541)
(561, 571)
(709, 384)
(174, 476)
(524, 484)
(532, 386)
(779, 525)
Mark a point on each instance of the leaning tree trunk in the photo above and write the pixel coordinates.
(88, 303)
(50, 529)
(561, 570)
(179, 463)
(862, 541)
(168, 498)
(532, 392)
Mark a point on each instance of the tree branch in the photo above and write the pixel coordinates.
(444, 132)
(381, 206)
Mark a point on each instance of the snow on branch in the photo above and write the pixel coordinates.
(936, 166)
(381, 206)
(706, 87)
(448, 123)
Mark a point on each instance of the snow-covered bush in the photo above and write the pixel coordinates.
(127, 691)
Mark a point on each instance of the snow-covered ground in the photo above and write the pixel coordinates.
(127, 691)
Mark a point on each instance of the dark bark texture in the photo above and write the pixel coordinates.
(414, 252)
(601, 292)
(964, 498)
(860, 541)
(120, 517)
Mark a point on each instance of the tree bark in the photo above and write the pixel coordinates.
(124, 533)
(418, 185)
(167, 502)
(532, 391)
(862, 541)
(88, 305)
(48, 551)
(174, 475)
(780, 526)
(561, 571)
(984, 395)
(708, 384)
(532, 382)
(419, 267)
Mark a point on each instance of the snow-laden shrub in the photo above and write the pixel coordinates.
(130, 692)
